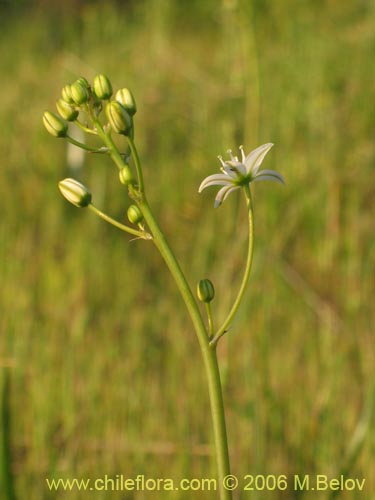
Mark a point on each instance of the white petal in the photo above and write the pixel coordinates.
(214, 180)
(236, 166)
(223, 194)
(231, 172)
(255, 158)
(269, 175)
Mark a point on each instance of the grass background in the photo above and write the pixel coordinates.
(100, 369)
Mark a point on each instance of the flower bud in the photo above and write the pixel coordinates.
(55, 125)
(205, 290)
(82, 81)
(126, 98)
(135, 215)
(102, 87)
(66, 110)
(118, 118)
(66, 94)
(80, 93)
(75, 192)
(126, 177)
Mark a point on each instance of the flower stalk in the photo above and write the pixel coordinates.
(249, 260)
(236, 174)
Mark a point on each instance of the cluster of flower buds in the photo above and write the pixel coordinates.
(81, 96)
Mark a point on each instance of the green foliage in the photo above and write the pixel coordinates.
(105, 376)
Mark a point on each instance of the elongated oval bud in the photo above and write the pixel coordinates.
(75, 192)
(55, 125)
(205, 290)
(82, 80)
(126, 177)
(80, 93)
(126, 98)
(118, 118)
(66, 110)
(102, 87)
(135, 215)
(66, 94)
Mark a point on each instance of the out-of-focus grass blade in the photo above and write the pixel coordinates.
(6, 476)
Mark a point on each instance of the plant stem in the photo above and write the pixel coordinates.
(137, 163)
(208, 352)
(140, 234)
(249, 259)
(209, 320)
(83, 146)
(85, 129)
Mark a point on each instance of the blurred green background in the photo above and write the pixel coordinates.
(100, 370)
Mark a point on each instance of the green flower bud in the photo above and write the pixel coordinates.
(75, 192)
(118, 118)
(126, 177)
(126, 98)
(80, 93)
(55, 125)
(102, 87)
(135, 215)
(205, 290)
(66, 94)
(82, 81)
(66, 110)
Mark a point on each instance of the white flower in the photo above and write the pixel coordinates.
(237, 174)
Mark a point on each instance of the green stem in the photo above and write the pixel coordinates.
(208, 352)
(137, 164)
(108, 141)
(84, 128)
(83, 146)
(140, 234)
(209, 319)
(249, 259)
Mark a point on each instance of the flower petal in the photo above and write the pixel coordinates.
(236, 166)
(231, 172)
(269, 175)
(254, 159)
(214, 180)
(223, 193)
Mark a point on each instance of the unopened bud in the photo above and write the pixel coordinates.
(75, 192)
(82, 80)
(135, 215)
(102, 87)
(118, 118)
(205, 290)
(80, 93)
(126, 98)
(55, 125)
(66, 94)
(126, 177)
(66, 110)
